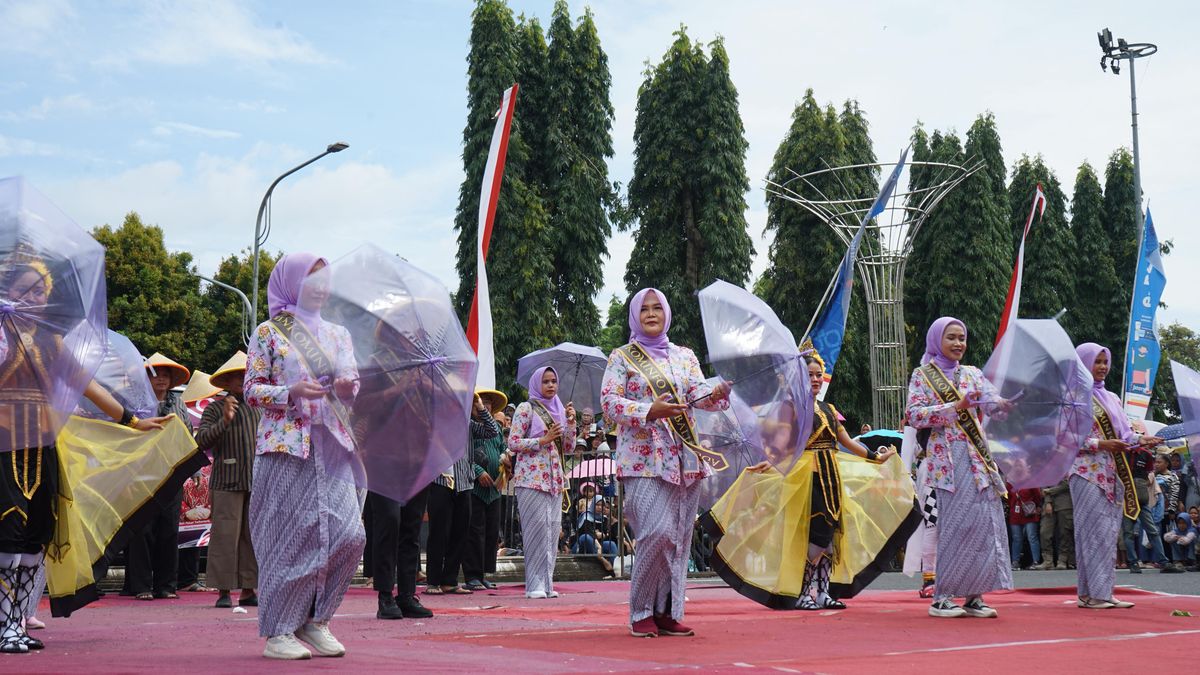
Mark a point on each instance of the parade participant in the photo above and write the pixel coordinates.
(485, 504)
(1102, 488)
(945, 396)
(541, 429)
(815, 544)
(153, 563)
(29, 470)
(646, 392)
(305, 521)
(227, 429)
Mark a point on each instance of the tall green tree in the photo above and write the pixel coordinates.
(1120, 222)
(1048, 281)
(153, 294)
(616, 326)
(689, 181)
(1097, 288)
(578, 144)
(224, 335)
(520, 267)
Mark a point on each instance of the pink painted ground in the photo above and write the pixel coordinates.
(585, 631)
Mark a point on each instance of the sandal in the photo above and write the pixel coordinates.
(167, 595)
(458, 590)
(144, 596)
(434, 590)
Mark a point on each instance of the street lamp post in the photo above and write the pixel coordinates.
(260, 237)
(1110, 58)
(247, 308)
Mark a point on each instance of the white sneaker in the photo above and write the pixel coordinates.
(286, 647)
(975, 607)
(946, 609)
(552, 594)
(537, 595)
(318, 636)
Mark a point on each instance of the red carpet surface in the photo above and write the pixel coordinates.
(584, 630)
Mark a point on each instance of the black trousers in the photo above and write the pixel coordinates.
(484, 539)
(153, 562)
(449, 524)
(189, 566)
(395, 542)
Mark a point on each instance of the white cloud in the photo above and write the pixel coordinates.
(71, 104)
(171, 128)
(198, 32)
(26, 25)
(22, 147)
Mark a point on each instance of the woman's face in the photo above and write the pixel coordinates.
(29, 289)
(315, 289)
(1160, 464)
(160, 382)
(652, 315)
(589, 492)
(954, 342)
(1100, 367)
(1176, 462)
(549, 384)
(815, 377)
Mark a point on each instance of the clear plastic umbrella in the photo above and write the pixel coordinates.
(122, 372)
(53, 315)
(751, 348)
(734, 434)
(580, 372)
(416, 370)
(1187, 393)
(1049, 409)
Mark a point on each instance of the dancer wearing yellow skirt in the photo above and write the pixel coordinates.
(822, 532)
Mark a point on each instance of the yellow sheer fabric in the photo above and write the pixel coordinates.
(107, 472)
(764, 518)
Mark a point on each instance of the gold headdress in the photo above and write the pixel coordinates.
(813, 354)
(24, 256)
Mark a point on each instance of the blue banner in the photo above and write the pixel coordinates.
(830, 329)
(1142, 352)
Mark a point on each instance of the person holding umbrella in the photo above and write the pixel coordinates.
(646, 391)
(1102, 488)
(946, 397)
(305, 521)
(541, 429)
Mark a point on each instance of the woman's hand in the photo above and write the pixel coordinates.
(721, 391)
(306, 389)
(152, 423)
(552, 434)
(971, 400)
(663, 407)
(1150, 441)
(761, 467)
(485, 480)
(571, 413)
(344, 388)
(889, 452)
(1112, 445)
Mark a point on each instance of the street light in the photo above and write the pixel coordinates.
(247, 308)
(260, 236)
(1111, 57)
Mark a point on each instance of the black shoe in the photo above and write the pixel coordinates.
(224, 601)
(476, 585)
(1135, 568)
(32, 644)
(412, 608)
(251, 601)
(1171, 568)
(387, 607)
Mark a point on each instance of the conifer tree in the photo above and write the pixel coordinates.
(1097, 288)
(1048, 283)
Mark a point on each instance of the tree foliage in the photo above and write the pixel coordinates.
(1048, 282)
(1120, 222)
(1097, 288)
(689, 182)
(1178, 343)
(224, 338)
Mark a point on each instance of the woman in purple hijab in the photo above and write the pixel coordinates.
(542, 429)
(647, 388)
(949, 399)
(1100, 482)
(304, 511)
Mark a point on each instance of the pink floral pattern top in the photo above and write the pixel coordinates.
(272, 367)
(650, 449)
(926, 411)
(536, 466)
(1097, 466)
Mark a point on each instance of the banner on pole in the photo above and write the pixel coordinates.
(1142, 352)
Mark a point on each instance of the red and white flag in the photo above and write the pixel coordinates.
(1014, 286)
(479, 324)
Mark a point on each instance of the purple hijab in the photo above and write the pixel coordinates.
(283, 288)
(557, 412)
(657, 346)
(1087, 353)
(933, 343)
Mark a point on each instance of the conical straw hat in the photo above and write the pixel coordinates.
(179, 373)
(199, 388)
(234, 367)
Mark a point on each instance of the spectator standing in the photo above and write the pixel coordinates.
(1141, 464)
(1024, 513)
(1057, 528)
(485, 498)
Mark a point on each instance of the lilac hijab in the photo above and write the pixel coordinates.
(656, 346)
(557, 412)
(933, 343)
(283, 288)
(1087, 353)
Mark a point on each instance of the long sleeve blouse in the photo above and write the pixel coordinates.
(926, 411)
(536, 466)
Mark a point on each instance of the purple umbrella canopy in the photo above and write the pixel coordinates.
(1049, 394)
(416, 370)
(122, 372)
(53, 315)
(751, 349)
(1187, 392)
(580, 372)
(734, 434)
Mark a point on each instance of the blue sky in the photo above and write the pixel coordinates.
(185, 111)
